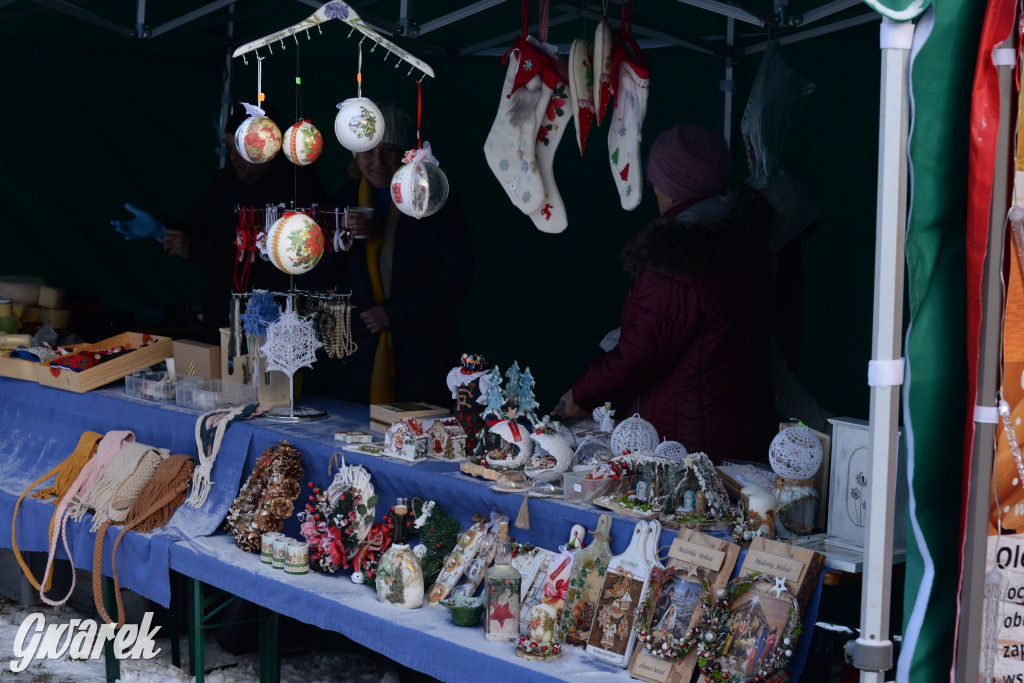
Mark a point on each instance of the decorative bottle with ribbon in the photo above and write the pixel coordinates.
(399, 576)
(501, 592)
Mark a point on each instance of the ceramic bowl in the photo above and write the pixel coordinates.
(463, 610)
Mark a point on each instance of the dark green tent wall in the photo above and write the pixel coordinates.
(95, 119)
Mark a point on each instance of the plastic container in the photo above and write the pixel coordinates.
(160, 387)
(580, 490)
(212, 394)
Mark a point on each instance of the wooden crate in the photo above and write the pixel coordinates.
(113, 370)
(26, 369)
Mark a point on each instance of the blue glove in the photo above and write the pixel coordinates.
(142, 226)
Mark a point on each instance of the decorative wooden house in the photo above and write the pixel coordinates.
(406, 439)
(447, 439)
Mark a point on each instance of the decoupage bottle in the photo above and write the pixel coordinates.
(399, 576)
(611, 635)
(501, 592)
(585, 582)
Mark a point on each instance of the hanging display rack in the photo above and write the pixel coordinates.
(346, 14)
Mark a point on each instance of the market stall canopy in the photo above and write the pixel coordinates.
(453, 29)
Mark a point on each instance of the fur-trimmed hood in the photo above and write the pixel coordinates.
(716, 231)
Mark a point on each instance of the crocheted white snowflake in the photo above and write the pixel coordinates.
(291, 343)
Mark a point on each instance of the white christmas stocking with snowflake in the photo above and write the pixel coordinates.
(630, 83)
(553, 120)
(510, 145)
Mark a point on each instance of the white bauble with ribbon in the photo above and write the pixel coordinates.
(303, 143)
(257, 139)
(295, 243)
(359, 124)
(419, 188)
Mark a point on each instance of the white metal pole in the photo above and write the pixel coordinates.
(873, 650)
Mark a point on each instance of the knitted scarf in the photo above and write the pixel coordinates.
(106, 453)
(107, 448)
(152, 508)
(116, 489)
(67, 471)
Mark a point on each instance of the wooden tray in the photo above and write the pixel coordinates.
(26, 369)
(113, 370)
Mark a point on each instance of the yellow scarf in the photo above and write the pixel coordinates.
(382, 379)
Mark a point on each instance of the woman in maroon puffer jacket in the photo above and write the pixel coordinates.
(693, 352)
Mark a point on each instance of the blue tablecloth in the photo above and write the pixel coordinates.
(40, 426)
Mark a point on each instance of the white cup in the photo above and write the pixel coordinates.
(366, 211)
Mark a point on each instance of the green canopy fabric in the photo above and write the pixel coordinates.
(899, 10)
(942, 70)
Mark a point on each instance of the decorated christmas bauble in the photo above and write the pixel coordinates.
(258, 139)
(795, 453)
(419, 188)
(303, 143)
(359, 124)
(295, 243)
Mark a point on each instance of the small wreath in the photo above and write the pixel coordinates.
(266, 498)
(353, 482)
(709, 636)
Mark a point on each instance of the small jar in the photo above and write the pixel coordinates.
(797, 507)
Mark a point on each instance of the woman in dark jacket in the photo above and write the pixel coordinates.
(693, 351)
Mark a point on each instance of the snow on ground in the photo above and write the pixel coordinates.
(351, 665)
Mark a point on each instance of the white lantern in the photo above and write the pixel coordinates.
(359, 124)
(634, 434)
(795, 453)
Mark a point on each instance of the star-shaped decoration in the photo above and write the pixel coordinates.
(691, 570)
(291, 343)
(689, 461)
(501, 614)
(780, 586)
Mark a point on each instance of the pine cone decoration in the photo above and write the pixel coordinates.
(265, 500)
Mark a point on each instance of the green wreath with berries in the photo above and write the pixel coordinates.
(709, 636)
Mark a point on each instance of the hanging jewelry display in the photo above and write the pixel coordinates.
(333, 324)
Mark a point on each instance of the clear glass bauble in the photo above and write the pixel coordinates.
(419, 189)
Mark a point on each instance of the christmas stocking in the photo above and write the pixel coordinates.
(630, 87)
(602, 63)
(510, 145)
(581, 89)
(553, 120)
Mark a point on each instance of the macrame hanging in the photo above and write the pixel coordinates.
(291, 343)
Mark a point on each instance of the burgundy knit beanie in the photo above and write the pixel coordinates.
(689, 163)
